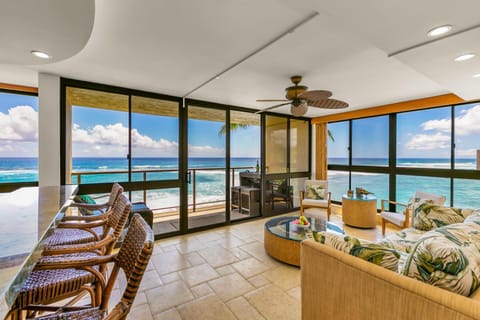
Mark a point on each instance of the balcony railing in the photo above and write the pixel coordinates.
(80, 177)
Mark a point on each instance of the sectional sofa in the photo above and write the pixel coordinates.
(430, 271)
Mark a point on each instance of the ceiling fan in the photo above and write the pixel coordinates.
(300, 99)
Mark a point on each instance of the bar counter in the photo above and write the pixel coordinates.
(27, 215)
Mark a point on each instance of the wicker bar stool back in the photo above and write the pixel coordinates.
(133, 259)
(83, 207)
(108, 230)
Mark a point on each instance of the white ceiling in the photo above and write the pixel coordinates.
(172, 47)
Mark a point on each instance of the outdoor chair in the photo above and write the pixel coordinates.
(401, 219)
(104, 232)
(316, 195)
(58, 277)
(89, 209)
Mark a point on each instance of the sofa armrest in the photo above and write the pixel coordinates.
(336, 285)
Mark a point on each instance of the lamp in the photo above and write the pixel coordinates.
(299, 107)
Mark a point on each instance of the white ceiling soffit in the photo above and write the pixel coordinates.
(60, 28)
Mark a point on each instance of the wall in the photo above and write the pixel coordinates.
(48, 130)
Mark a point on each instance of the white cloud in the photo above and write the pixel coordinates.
(465, 124)
(466, 152)
(19, 124)
(429, 142)
(112, 140)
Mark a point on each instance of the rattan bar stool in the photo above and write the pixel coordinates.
(102, 231)
(117, 189)
(64, 279)
(132, 258)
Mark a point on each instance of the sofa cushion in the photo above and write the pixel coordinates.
(447, 257)
(315, 190)
(403, 240)
(372, 252)
(428, 216)
(474, 217)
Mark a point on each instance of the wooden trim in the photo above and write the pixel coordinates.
(418, 104)
(321, 152)
(15, 87)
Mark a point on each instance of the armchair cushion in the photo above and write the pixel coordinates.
(394, 217)
(448, 258)
(315, 190)
(315, 203)
(428, 216)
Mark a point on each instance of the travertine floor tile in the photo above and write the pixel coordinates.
(201, 290)
(243, 310)
(171, 314)
(217, 256)
(168, 296)
(198, 274)
(257, 250)
(150, 279)
(206, 308)
(296, 293)
(274, 303)
(168, 262)
(141, 312)
(194, 258)
(259, 281)
(284, 276)
(223, 271)
(140, 299)
(230, 286)
(250, 267)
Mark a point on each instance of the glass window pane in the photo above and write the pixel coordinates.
(377, 183)
(338, 184)
(466, 136)
(370, 141)
(206, 165)
(99, 136)
(423, 138)
(244, 156)
(154, 139)
(408, 185)
(276, 144)
(466, 193)
(299, 144)
(338, 143)
(18, 138)
(278, 195)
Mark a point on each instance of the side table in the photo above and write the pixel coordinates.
(360, 212)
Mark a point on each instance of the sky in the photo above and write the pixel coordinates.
(104, 133)
(420, 134)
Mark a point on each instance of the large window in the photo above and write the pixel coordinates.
(436, 151)
(423, 138)
(18, 138)
(370, 141)
(338, 143)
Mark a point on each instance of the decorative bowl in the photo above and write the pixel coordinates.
(300, 226)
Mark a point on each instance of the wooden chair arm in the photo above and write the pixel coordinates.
(65, 261)
(90, 206)
(81, 225)
(103, 216)
(302, 195)
(383, 202)
(96, 246)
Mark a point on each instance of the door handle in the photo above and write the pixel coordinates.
(189, 177)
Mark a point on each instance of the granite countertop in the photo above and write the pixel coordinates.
(27, 216)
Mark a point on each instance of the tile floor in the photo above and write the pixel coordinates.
(223, 273)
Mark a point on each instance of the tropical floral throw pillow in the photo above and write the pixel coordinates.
(314, 191)
(447, 257)
(428, 216)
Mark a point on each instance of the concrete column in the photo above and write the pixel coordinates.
(48, 129)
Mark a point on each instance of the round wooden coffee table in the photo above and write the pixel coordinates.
(282, 237)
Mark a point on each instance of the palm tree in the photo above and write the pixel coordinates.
(330, 135)
(233, 127)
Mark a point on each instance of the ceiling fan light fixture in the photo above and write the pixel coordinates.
(438, 31)
(40, 54)
(299, 108)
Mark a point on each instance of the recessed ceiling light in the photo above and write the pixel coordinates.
(40, 54)
(476, 75)
(438, 31)
(465, 57)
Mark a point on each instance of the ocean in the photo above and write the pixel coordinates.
(210, 184)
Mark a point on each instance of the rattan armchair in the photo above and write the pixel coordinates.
(132, 258)
(79, 232)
